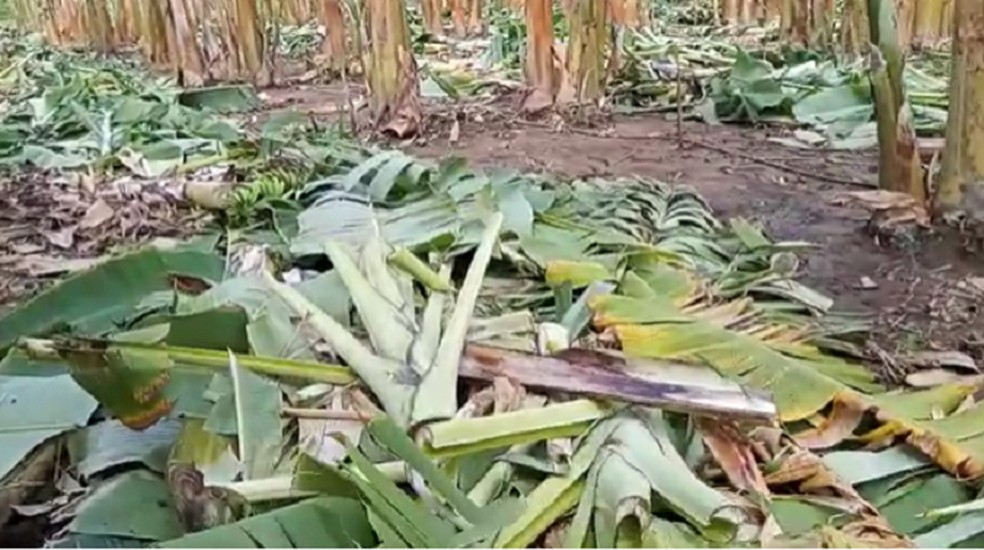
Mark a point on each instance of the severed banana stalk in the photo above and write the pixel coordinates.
(412, 364)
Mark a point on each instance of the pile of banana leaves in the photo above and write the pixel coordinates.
(423, 355)
(373, 350)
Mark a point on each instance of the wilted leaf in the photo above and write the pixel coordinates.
(621, 502)
(646, 445)
(733, 452)
(553, 497)
(130, 384)
(905, 506)
(844, 417)
(763, 355)
(961, 529)
(223, 99)
(469, 435)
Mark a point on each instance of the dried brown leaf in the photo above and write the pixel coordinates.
(97, 214)
(733, 452)
(845, 416)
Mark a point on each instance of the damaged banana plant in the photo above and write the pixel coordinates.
(412, 367)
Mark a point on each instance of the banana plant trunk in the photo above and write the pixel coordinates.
(459, 16)
(333, 19)
(899, 166)
(729, 11)
(99, 26)
(961, 184)
(189, 63)
(855, 34)
(905, 14)
(584, 69)
(926, 27)
(540, 75)
(431, 12)
(391, 71)
(252, 37)
(795, 23)
(475, 17)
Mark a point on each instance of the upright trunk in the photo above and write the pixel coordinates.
(795, 22)
(540, 74)
(154, 38)
(946, 19)
(391, 72)
(855, 34)
(459, 16)
(905, 12)
(190, 66)
(730, 9)
(584, 69)
(431, 12)
(126, 25)
(770, 11)
(821, 14)
(899, 167)
(475, 17)
(961, 182)
(746, 12)
(295, 12)
(334, 21)
(616, 11)
(636, 13)
(99, 26)
(250, 36)
(926, 29)
(66, 23)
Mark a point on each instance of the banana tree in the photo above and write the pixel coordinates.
(899, 166)
(389, 66)
(963, 164)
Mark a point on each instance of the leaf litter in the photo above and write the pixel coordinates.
(625, 332)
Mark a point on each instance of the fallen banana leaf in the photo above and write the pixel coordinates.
(735, 340)
(857, 467)
(324, 522)
(134, 395)
(553, 497)
(90, 302)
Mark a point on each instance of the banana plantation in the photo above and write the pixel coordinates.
(491, 273)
